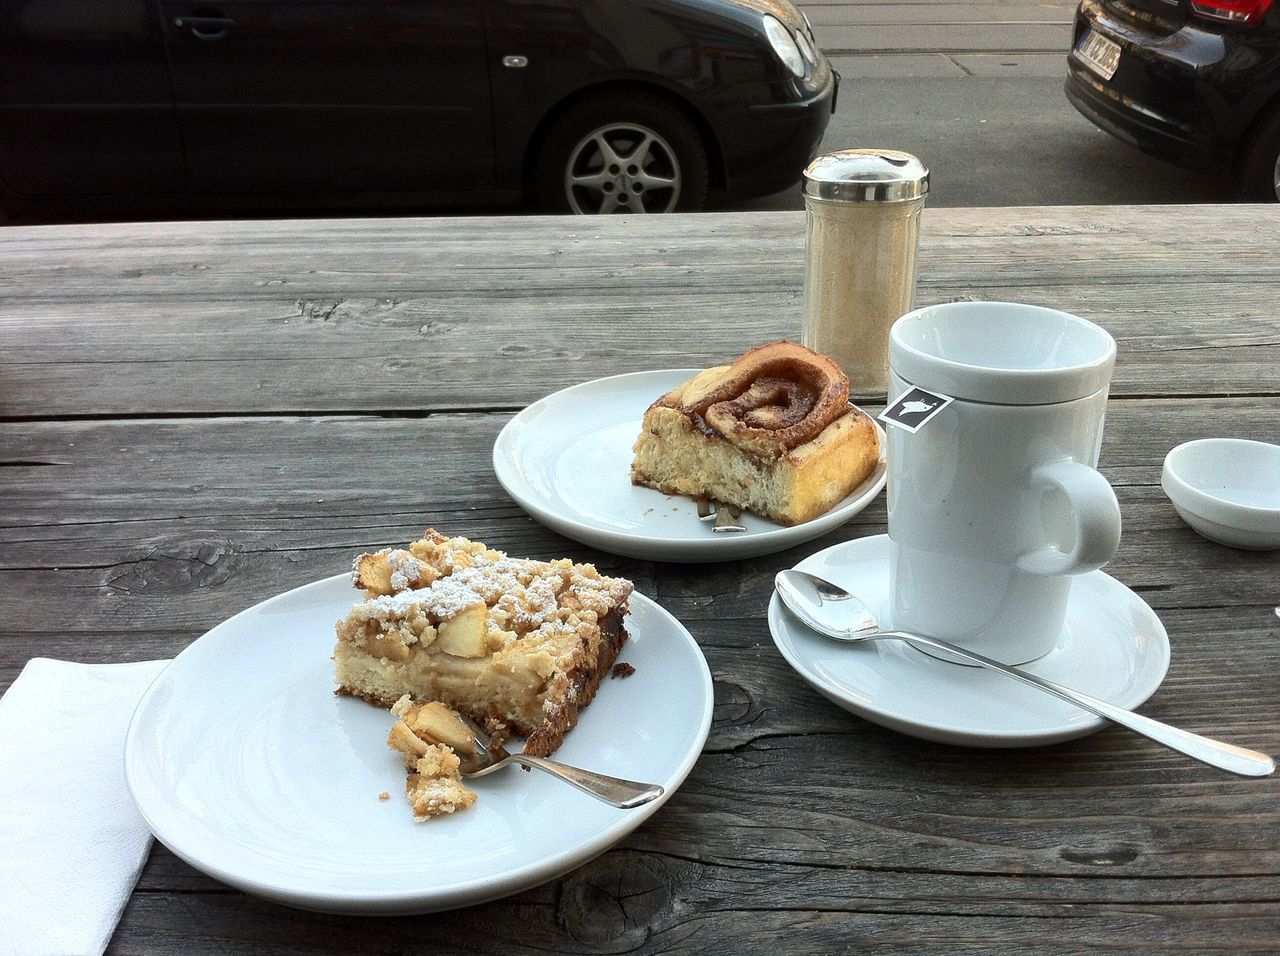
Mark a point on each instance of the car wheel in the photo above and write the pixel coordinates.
(1260, 162)
(619, 153)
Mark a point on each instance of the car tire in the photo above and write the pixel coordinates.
(1260, 161)
(622, 152)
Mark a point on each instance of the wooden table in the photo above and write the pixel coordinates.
(197, 416)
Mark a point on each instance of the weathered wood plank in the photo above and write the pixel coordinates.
(369, 467)
(162, 525)
(634, 903)
(293, 504)
(443, 314)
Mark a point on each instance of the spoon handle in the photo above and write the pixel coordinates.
(1224, 756)
(613, 790)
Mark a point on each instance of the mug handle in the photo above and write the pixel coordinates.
(1097, 521)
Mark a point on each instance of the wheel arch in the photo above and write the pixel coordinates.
(710, 142)
(1267, 115)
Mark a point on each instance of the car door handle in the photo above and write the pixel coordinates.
(206, 28)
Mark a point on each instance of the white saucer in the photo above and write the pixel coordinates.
(245, 764)
(566, 459)
(1113, 646)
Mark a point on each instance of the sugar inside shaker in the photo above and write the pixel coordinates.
(863, 227)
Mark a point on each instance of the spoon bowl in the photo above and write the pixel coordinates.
(832, 611)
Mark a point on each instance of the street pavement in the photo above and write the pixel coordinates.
(975, 90)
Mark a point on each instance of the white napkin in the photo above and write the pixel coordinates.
(71, 841)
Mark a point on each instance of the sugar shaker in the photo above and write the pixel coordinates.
(863, 226)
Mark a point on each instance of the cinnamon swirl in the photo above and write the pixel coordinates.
(773, 433)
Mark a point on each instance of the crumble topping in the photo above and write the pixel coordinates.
(412, 593)
(406, 570)
(434, 788)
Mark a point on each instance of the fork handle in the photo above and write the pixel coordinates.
(612, 790)
(1215, 753)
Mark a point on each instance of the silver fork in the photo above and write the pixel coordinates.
(489, 756)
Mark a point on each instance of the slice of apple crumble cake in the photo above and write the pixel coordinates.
(516, 644)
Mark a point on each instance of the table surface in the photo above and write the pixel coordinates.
(197, 416)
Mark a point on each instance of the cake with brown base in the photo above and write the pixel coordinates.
(773, 433)
(518, 645)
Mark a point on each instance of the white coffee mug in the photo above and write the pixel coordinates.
(994, 502)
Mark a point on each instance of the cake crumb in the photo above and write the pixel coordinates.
(385, 795)
(621, 669)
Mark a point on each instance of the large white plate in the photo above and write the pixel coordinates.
(246, 765)
(566, 459)
(1112, 646)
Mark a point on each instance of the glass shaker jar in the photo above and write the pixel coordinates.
(863, 226)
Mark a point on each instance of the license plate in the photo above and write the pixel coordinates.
(1099, 54)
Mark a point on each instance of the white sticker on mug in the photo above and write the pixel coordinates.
(913, 408)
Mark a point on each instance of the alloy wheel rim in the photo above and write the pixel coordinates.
(1275, 178)
(622, 168)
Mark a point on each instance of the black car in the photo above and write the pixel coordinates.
(1195, 82)
(577, 105)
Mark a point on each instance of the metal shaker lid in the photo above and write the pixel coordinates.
(866, 175)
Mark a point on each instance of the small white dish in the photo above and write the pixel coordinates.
(1228, 489)
(1112, 646)
(566, 459)
(245, 765)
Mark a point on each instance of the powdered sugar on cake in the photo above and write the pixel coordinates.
(523, 593)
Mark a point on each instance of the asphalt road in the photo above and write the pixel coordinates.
(975, 90)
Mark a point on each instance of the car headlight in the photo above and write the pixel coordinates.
(784, 45)
(806, 49)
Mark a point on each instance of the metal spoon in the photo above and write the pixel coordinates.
(489, 756)
(832, 611)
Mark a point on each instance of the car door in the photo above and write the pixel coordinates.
(85, 102)
(332, 96)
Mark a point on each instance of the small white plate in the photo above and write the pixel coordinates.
(566, 459)
(245, 764)
(1228, 489)
(1113, 646)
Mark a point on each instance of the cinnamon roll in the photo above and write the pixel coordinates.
(773, 433)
